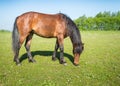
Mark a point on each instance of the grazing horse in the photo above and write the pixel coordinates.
(57, 26)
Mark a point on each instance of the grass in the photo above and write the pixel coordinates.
(99, 63)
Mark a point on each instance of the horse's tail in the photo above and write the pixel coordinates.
(15, 38)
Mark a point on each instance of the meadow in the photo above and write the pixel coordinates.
(99, 62)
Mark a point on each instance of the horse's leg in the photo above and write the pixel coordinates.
(18, 46)
(60, 41)
(27, 46)
(16, 59)
(55, 51)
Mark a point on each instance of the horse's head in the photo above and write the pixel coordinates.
(77, 50)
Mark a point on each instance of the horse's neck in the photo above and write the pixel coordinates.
(75, 37)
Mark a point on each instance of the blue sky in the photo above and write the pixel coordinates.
(10, 9)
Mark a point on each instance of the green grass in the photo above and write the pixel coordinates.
(99, 63)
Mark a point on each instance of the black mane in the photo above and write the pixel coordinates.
(73, 29)
(74, 34)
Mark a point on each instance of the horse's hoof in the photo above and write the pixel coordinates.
(18, 64)
(32, 60)
(54, 59)
(65, 64)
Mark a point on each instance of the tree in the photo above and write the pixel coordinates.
(102, 21)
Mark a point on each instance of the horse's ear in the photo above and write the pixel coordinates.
(82, 46)
(83, 43)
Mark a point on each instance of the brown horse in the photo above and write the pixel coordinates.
(57, 26)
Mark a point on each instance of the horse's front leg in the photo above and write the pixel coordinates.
(55, 51)
(27, 46)
(60, 41)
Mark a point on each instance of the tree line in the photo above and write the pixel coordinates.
(102, 21)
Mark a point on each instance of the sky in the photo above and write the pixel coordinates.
(10, 9)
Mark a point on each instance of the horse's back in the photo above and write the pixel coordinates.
(46, 25)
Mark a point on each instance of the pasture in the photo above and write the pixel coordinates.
(99, 62)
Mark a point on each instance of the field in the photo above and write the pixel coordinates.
(99, 63)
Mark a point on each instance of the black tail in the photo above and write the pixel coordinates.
(15, 39)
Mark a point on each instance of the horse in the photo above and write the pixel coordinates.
(57, 26)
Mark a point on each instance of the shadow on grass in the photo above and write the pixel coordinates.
(46, 53)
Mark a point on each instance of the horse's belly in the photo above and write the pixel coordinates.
(46, 33)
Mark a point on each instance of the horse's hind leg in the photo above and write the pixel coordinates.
(18, 46)
(16, 59)
(27, 46)
(55, 51)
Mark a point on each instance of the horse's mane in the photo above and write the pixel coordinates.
(69, 21)
(73, 29)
